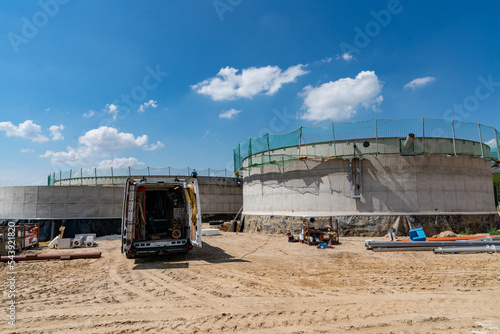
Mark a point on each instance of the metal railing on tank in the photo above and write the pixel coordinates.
(115, 176)
(373, 136)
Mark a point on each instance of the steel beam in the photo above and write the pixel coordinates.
(34, 257)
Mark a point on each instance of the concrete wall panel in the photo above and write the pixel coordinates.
(217, 196)
(45, 195)
(395, 184)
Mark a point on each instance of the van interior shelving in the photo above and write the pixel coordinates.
(160, 217)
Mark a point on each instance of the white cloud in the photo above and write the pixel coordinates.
(492, 143)
(419, 82)
(48, 109)
(89, 114)
(345, 56)
(112, 109)
(338, 100)
(206, 133)
(27, 150)
(82, 156)
(99, 143)
(228, 85)
(146, 105)
(120, 163)
(154, 147)
(27, 129)
(323, 61)
(108, 139)
(55, 132)
(229, 113)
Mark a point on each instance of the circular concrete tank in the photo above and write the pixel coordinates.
(95, 203)
(219, 197)
(395, 185)
(371, 184)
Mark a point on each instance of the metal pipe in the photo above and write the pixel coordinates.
(350, 172)
(456, 250)
(370, 244)
(470, 237)
(268, 151)
(404, 249)
(360, 182)
(497, 135)
(453, 133)
(409, 141)
(250, 154)
(334, 146)
(70, 256)
(300, 143)
(353, 185)
(423, 136)
(481, 140)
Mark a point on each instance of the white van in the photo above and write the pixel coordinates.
(160, 217)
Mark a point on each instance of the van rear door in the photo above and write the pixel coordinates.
(128, 214)
(192, 192)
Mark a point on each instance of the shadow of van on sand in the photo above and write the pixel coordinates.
(207, 253)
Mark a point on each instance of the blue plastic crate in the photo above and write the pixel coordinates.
(417, 235)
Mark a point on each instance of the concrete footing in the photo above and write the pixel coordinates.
(378, 225)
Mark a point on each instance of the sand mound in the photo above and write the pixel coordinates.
(445, 234)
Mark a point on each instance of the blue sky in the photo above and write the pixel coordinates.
(180, 83)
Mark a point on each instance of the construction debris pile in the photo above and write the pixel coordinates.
(18, 236)
(80, 240)
(317, 231)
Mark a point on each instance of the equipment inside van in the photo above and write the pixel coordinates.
(160, 217)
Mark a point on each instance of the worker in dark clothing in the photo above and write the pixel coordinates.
(194, 173)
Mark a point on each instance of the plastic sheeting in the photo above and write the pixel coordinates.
(100, 227)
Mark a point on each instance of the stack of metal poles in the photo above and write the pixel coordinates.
(486, 245)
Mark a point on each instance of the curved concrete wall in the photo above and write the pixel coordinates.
(218, 196)
(391, 185)
(44, 202)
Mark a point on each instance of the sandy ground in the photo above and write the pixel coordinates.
(249, 283)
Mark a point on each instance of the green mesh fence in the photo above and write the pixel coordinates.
(316, 134)
(372, 138)
(277, 141)
(260, 144)
(467, 131)
(351, 131)
(437, 128)
(94, 176)
(399, 128)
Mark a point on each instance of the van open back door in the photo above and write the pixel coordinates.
(128, 215)
(193, 197)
